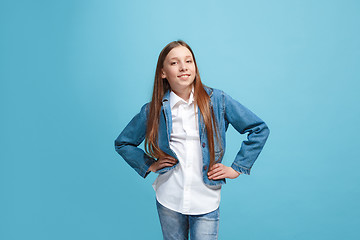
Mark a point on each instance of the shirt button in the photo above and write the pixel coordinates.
(203, 145)
(205, 168)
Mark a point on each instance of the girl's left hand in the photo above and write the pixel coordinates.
(219, 171)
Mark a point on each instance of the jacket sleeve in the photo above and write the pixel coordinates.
(130, 138)
(245, 121)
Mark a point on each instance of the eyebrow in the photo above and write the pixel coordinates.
(178, 58)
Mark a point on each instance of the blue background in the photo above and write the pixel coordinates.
(73, 74)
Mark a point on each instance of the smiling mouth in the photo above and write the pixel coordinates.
(184, 75)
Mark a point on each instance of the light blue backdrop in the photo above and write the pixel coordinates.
(73, 73)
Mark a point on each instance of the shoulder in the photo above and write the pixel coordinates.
(218, 94)
(214, 92)
(217, 98)
(145, 109)
(222, 98)
(145, 106)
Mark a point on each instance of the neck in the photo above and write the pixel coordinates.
(183, 93)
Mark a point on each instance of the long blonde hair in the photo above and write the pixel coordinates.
(202, 99)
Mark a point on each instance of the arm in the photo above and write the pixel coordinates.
(130, 138)
(245, 121)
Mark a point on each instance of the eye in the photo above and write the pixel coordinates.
(172, 63)
(189, 61)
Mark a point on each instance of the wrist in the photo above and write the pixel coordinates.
(235, 173)
(151, 169)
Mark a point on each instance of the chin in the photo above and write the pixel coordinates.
(187, 84)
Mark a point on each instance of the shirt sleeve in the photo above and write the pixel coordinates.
(245, 121)
(130, 138)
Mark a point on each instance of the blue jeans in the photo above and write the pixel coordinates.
(176, 226)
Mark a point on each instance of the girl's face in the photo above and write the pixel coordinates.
(179, 69)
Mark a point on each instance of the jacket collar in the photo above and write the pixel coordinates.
(208, 90)
(166, 96)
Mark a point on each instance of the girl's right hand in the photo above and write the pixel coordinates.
(162, 163)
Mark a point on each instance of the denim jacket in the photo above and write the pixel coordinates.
(226, 110)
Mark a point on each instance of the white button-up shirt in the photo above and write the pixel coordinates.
(182, 188)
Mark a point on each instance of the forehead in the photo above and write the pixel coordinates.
(179, 52)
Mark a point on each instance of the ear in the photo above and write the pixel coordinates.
(163, 74)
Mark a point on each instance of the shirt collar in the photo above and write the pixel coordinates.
(174, 99)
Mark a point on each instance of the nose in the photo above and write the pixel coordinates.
(182, 66)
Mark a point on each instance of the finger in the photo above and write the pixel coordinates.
(164, 165)
(217, 165)
(214, 175)
(170, 159)
(217, 173)
(220, 177)
(214, 171)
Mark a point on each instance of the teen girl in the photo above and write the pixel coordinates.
(184, 129)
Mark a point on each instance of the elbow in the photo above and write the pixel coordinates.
(262, 130)
(118, 146)
(265, 131)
